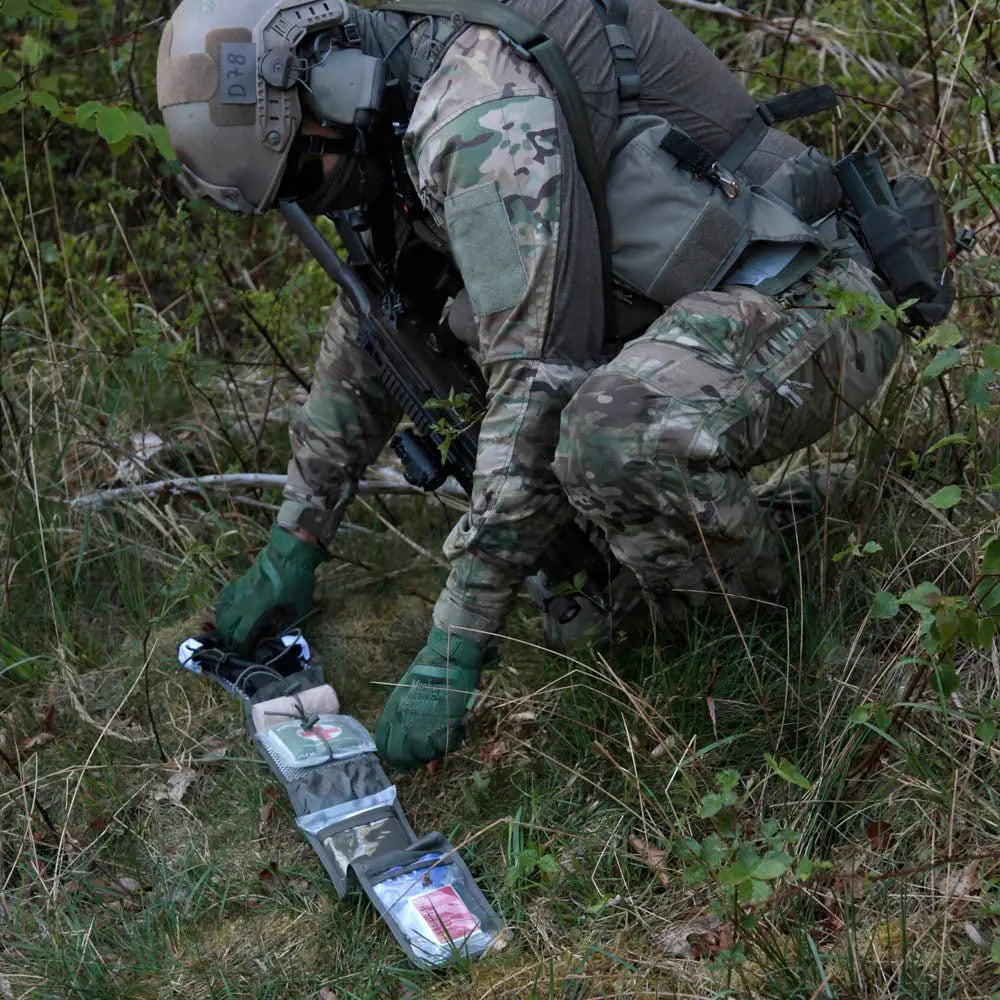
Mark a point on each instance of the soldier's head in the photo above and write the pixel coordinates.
(266, 100)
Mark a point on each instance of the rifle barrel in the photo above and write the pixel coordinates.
(343, 276)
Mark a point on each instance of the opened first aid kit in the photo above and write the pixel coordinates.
(345, 805)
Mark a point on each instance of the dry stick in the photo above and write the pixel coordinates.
(723, 10)
(245, 480)
(402, 536)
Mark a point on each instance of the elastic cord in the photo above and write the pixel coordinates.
(402, 38)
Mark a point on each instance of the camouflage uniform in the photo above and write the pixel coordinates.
(484, 151)
(660, 434)
(656, 443)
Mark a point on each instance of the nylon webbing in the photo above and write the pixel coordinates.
(532, 43)
(783, 108)
(615, 18)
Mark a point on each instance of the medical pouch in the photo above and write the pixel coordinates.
(920, 204)
(680, 223)
(672, 232)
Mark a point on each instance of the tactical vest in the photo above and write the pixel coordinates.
(695, 185)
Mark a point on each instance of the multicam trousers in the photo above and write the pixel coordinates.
(656, 444)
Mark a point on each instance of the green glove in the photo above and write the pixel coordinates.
(274, 593)
(422, 720)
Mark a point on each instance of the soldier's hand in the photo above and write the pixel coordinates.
(273, 594)
(422, 719)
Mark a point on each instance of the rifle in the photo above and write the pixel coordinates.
(437, 387)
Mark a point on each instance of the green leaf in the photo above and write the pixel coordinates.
(945, 680)
(884, 606)
(771, 867)
(7, 78)
(755, 891)
(948, 439)
(922, 597)
(162, 142)
(991, 355)
(991, 557)
(43, 99)
(941, 362)
(15, 8)
(784, 768)
(711, 804)
(986, 731)
(11, 99)
(943, 335)
(111, 124)
(33, 50)
(977, 387)
(121, 145)
(86, 111)
(995, 950)
(728, 780)
(946, 497)
(870, 548)
(860, 715)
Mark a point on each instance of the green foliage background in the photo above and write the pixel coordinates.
(759, 763)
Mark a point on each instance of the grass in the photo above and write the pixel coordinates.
(579, 772)
(802, 807)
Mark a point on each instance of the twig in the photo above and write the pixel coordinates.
(245, 480)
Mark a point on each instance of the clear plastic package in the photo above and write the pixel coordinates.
(295, 746)
(429, 899)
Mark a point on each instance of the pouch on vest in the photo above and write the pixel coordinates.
(902, 225)
(920, 203)
(676, 231)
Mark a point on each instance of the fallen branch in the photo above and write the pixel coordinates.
(392, 483)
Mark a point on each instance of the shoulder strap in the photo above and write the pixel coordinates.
(531, 43)
(614, 14)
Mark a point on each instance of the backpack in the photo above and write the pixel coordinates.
(673, 218)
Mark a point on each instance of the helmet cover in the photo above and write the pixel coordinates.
(227, 78)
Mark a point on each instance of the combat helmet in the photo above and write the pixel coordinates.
(230, 79)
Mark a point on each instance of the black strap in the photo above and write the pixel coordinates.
(532, 43)
(689, 153)
(783, 108)
(321, 145)
(614, 14)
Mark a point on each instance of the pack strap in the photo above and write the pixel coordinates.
(614, 14)
(532, 44)
(783, 108)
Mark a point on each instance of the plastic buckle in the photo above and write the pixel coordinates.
(766, 114)
(352, 36)
(965, 240)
